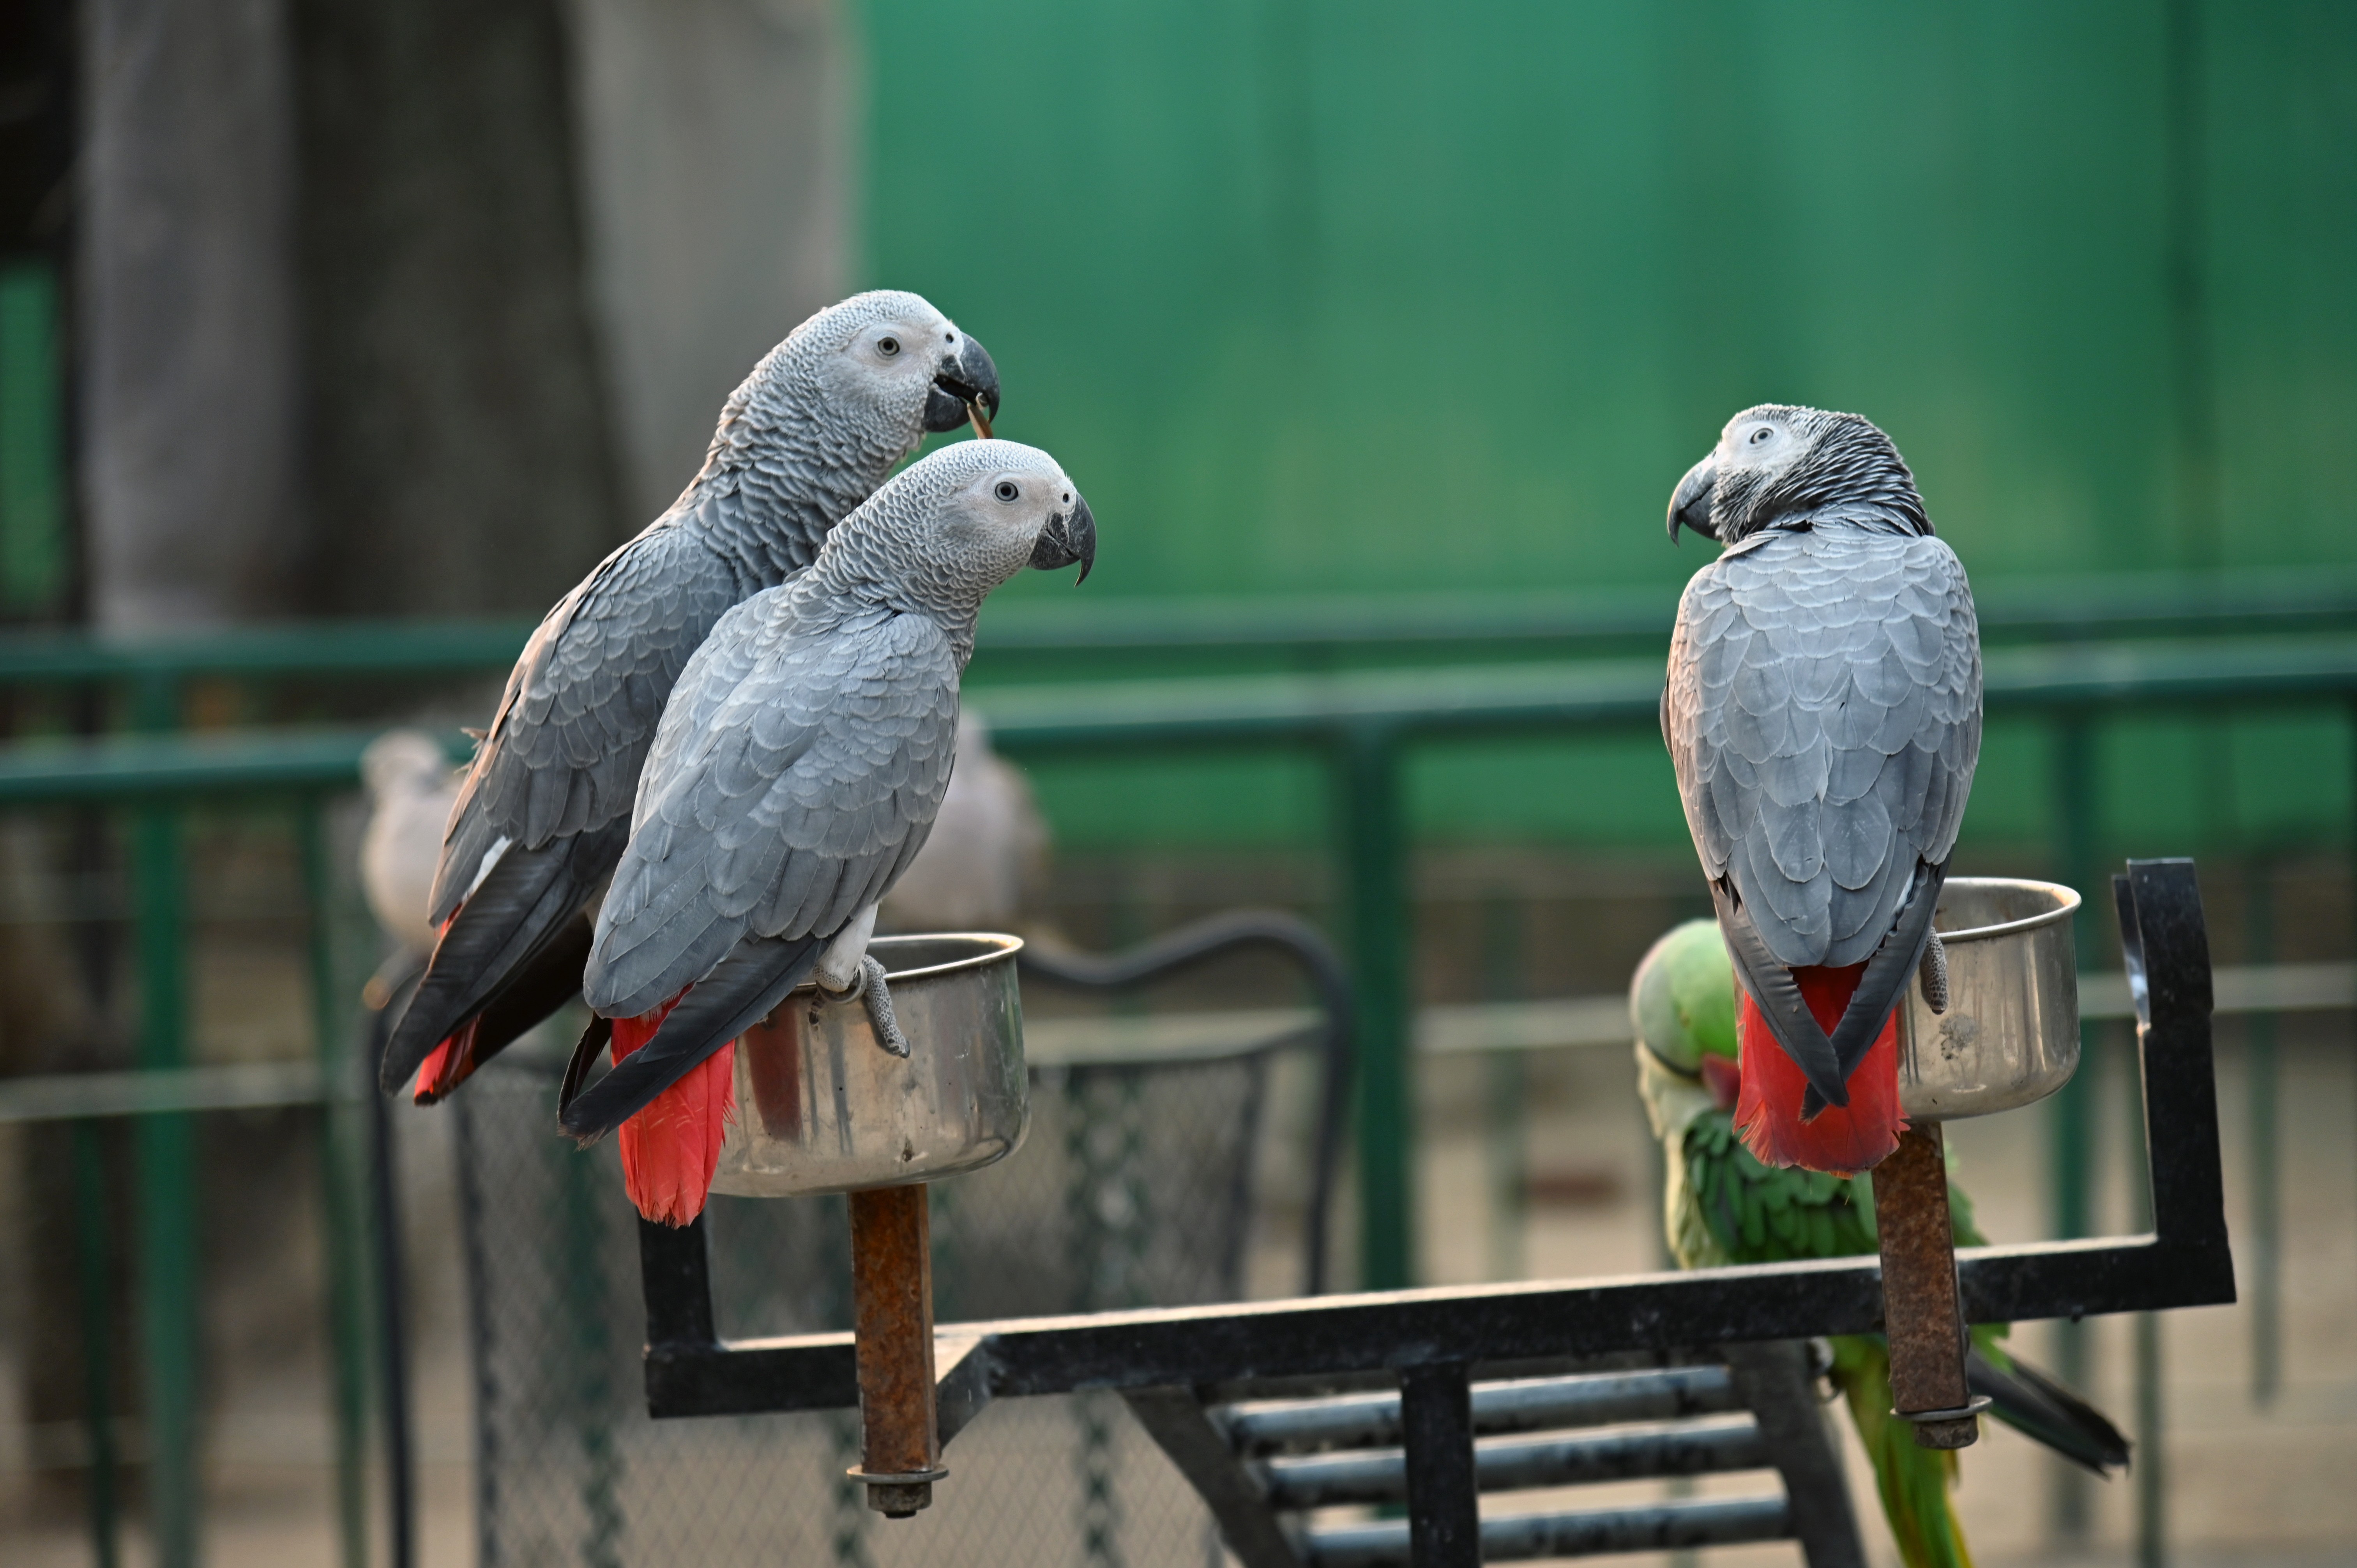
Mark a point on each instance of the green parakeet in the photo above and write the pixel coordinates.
(1722, 1206)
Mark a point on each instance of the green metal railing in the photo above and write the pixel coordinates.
(1362, 725)
(157, 777)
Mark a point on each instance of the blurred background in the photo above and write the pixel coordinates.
(337, 340)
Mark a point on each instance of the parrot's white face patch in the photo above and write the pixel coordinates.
(1765, 445)
(889, 361)
(1000, 512)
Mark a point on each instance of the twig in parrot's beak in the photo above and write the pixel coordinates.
(981, 420)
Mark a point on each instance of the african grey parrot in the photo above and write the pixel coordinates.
(799, 767)
(1824, 714)
(544, 812)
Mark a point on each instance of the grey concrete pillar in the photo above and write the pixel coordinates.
(457, 451)
(187, 312)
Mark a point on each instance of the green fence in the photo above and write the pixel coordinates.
(165, 1092)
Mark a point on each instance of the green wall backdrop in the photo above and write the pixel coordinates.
(1381, 297)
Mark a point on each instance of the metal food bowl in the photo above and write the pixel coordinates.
(822, 1107)
(2010, 1035)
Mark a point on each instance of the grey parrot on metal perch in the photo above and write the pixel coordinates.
(1824, 714)
(543, 813)
(799, 767)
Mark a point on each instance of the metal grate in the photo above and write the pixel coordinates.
(1135, 1187)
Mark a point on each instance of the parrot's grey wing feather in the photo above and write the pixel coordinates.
(562, 754)
(1693, 719)
(1778, 997)
(520, 908)
(796, 774)
(468, 839)
(749, 982)
(534, 989)
(1951, 732)
(1908, 734)
(1889, 971)
(1751, 755)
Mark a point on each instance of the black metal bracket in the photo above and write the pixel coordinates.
(1430, 1340)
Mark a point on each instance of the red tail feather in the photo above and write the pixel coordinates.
(671, 1149)
(447, 1065)
(1768, 1114)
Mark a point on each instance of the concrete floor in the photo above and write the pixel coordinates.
(2244, 1484)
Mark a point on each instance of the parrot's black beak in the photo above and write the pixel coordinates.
(1690, 503)
(965, 387)
(1069, 537)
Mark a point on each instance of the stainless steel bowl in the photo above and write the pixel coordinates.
(821, 1107)
(2010, 1035)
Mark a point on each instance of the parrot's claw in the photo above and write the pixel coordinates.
(1933, 972)
(867, 985)
(879, 1007)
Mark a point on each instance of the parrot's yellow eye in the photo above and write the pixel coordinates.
(888, 347)
(1007, 490)
(1761, 435)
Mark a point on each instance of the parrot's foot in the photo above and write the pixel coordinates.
(879, 1008)
(1933, 972)
(868, 985)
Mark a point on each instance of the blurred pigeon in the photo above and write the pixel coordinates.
(544, 810)
(411, 788)
(1824, 713)
(985, 850)
(798, 769)
(1722, 1206)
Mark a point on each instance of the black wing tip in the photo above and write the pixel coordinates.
(586, 1118)
(403, 1054)
(569, 1114)
(1783, 1009)
(633, 1085)
(713, 1012)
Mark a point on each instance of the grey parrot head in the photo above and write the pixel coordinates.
(1776, 464)
(957, 523)
(893, 362)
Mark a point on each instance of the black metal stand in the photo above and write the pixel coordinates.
(1428, 1344)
